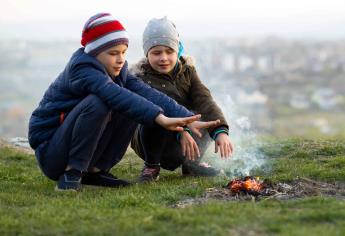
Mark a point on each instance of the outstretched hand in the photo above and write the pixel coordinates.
(196, 126)
(189, 147)
(175, 124)
(224, 145)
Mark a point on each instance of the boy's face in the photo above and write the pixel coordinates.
(113, 59)
(162, 59)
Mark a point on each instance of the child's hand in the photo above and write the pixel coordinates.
(225, 145)
(175, 124)
(196, 126)
(190, 149)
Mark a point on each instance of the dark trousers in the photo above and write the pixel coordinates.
(91, 136)
(156, 145)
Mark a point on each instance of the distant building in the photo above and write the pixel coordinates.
(325, 98)
(255, 97)
(299, 101)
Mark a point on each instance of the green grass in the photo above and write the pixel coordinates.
(29, 205)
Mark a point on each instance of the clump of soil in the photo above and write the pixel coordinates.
(298, 188)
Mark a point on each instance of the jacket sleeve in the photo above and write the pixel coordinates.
(203, 102)
(86, 78)
(170, 106)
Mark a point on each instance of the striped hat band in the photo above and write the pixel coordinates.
(101, 32)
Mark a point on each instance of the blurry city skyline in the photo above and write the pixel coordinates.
(274, 86)
(280, 65)
(49, 19)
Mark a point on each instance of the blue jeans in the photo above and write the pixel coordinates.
(92, 135)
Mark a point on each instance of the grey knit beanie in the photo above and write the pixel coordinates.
(160, 32)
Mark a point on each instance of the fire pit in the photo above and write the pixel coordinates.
(253, 189)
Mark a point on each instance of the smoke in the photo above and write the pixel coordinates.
(247, 155)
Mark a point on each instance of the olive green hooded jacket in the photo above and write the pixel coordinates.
(185, 87)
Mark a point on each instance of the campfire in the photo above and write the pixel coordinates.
(254, 189)
(250, 185)
(249, 188)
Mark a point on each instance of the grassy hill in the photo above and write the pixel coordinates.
(29, 205)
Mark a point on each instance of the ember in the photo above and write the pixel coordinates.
(247, 184)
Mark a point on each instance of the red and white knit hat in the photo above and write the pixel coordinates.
(101, 32)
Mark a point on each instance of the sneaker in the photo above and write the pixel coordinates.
(70, 180)
(149, 174)
(103, 178)
(198, 169)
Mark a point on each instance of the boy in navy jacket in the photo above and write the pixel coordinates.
(87, 116)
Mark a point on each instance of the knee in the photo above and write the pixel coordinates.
(96, 106)
(152, 132)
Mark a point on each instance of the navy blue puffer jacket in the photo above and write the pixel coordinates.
(84, 75)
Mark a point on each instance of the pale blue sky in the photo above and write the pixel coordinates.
(194, 18)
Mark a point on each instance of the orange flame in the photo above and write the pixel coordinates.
(248, 184)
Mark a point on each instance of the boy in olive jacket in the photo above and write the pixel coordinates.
(167, 71)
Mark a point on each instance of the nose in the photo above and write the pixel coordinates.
(163, 57)
(120, 59)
